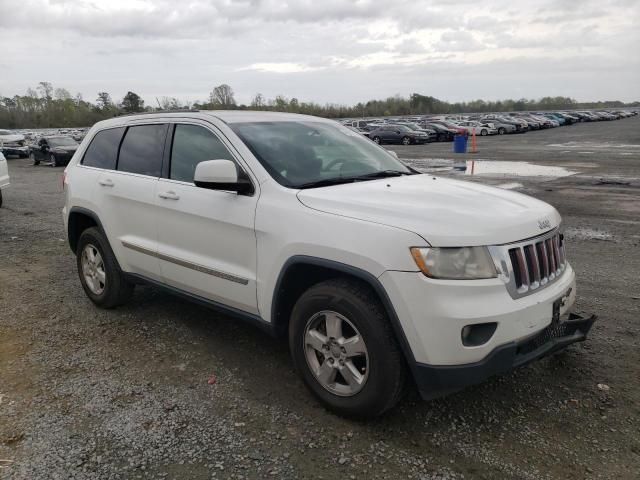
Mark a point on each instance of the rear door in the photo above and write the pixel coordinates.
(126, 198)
(207, 241)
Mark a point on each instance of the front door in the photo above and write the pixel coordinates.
(206, 238)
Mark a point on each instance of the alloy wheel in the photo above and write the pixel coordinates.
(93, 269)
(336, 353)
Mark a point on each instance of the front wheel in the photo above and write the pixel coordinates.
(501, 131)
(345, 350)
(406, 141)
(100, 276)
(53, 160)
(377, 140)
(441, 137)
(32, 157)
(484, 133)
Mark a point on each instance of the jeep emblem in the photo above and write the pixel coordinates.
(544, 224)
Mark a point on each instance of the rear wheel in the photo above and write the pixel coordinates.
(344, 348)
(406, 141)
(441, 137)
(484, 133)
(53, 160)
(32, 157)
(501, 131)
(100, 276)
(377, 140)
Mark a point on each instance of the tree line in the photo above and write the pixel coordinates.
(49, 107)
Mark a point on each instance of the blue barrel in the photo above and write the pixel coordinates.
(460, 143)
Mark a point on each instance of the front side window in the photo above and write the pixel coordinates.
(193, 144)
(141, 150)
(298, 154)
(103, 150)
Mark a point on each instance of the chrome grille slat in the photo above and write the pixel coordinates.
(532, 264)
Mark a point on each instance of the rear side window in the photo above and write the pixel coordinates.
(193, 144)
(103, 149)
(141, 150)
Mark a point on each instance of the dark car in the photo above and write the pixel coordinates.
(56, 151)
(443, 134)
(398, 134)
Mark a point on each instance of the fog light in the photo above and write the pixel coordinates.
(478, 334)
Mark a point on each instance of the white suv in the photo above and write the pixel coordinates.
(375, 272)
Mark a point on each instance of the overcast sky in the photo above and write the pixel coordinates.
(335, 51)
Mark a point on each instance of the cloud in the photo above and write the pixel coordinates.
(283, 67)
(329, 50)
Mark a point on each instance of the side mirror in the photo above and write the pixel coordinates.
(221, 175)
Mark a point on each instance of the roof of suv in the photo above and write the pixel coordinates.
(227, 116)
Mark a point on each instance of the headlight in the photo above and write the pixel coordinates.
(460, 263)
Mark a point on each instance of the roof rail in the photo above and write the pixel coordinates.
(178, 110)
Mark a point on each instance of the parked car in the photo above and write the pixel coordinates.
(54, 150)
(398, 134)
(431, 134)
(373, 271)
(443, 134)
(478, 128)
(4, 175)
(12, 143)
(499, 127)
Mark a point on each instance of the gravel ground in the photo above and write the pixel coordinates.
(162, 388)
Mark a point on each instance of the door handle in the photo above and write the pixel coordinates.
(169, 195)
(107, 182)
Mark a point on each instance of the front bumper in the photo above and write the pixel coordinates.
(435, 380)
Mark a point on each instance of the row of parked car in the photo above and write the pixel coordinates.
(55, 147)
(425, 129)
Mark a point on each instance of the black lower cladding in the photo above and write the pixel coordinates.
(435, 381)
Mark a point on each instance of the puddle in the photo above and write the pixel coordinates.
(510, 185)
(591, 145)
(514, 169)
(583, 233)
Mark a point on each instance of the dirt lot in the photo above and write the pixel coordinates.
(88, 393)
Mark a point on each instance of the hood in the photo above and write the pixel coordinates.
(11, 138)
(445, 212)
(66, 148)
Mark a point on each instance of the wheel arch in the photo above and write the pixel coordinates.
(301, 272)
(79, 220)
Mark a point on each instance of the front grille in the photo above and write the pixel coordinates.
(537, 263)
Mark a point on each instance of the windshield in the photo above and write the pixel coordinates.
(300, 153)
(62, 142)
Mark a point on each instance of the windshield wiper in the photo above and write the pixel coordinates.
(327, 182)
(367, 176)
(384, 174)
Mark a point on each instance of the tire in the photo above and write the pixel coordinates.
(484, 133)
(0, 198)
(115, 289)
(441, 137)
(406, 141)
(53, 160)
(381, 369)
(501, 131)
(32, 157)
(378, 140)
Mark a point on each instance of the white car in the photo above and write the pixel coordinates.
(12, 143)
(4, 175)
(377, 274)
(478, 128)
